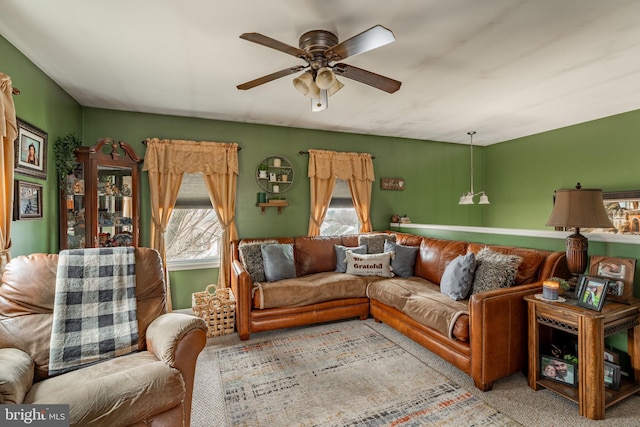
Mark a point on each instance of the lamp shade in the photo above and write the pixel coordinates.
(579, 208)
(325, 78)
(303, 83)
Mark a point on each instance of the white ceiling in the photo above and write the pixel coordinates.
(505, 68)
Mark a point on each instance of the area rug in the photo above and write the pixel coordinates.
(342, 374)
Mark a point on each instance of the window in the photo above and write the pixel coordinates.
(341, 216)
(193, 235)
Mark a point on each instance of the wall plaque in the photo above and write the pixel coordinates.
(392, 183)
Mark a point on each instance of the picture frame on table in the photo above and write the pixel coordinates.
(619, 271)
(612, 375)
(592, 291)
(27, 202)
(30, 151)
(560, 370)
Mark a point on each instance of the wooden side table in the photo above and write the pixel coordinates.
(591, 327)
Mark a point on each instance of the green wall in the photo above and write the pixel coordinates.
(523, 173)
(45, 105)
(435, 173)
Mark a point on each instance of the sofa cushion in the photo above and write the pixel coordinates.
(251, 258)
(316, 254)
(422, 301)
(375, 241)
(404, 261)
(309, 289)
(278, 261)
(494, 271)
(341, 257)
(458, 277)
(369, 264)
(435, 255)
(532, 260)
(132, 387)
(395, 291)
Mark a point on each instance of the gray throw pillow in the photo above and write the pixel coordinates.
(341, 257)
(375, 241)
(404, 262)
(251, 258)
(457, 278)
(278, 261)
(494, 271)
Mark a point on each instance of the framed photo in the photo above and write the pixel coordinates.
(559, 370)
(592, 292)
(612, 375)
(28, 201)
(619, 271)
(31, 151)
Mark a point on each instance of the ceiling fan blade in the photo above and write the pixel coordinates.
(367, 40)
(367, 77)
(275, 44)
(270, 77)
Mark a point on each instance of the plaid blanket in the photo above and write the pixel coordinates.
(94, 314)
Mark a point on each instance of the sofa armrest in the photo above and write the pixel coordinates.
(241, 284)
(166, 332)
(498, 328)
(16, 375)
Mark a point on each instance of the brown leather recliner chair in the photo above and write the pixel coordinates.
(152, 386)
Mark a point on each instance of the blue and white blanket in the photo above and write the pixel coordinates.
(94, 314)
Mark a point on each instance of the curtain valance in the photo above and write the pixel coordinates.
(326, 164)
(178, 156)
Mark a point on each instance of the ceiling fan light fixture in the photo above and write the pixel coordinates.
(303, 83)
(321, 102)
(336, 87)
(325, 78)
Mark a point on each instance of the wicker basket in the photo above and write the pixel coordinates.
(217, 308)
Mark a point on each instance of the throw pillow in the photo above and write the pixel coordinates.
(494, 270)
(458, 277)
(375, 242)
(404, 262)
(369, 264)
(251, 258)
(341, 258)
(278, 261)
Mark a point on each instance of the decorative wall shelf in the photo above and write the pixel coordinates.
(274, 174)
(281, 204)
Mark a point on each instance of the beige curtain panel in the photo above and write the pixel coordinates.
(167, 161)
(324, 168)
(8, 134)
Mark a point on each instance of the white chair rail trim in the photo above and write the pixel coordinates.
(594, 237)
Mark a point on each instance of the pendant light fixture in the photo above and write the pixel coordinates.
(467, 198)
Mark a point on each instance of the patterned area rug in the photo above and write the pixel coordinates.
(342, 374)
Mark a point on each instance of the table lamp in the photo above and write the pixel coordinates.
(578, 208)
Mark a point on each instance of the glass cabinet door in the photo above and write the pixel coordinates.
(75, 203)
(115, 206)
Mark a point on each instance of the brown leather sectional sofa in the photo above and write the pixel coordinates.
(152, 386)
(487, 333)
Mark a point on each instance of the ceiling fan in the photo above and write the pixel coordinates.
(319, 49)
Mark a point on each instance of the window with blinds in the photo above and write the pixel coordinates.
(193, 235)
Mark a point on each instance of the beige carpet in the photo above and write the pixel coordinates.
(511, 396)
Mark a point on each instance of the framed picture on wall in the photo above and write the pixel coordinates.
(27, 201)
(619, 272)
(31, 151)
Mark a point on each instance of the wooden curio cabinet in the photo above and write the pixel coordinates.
(100, 203)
